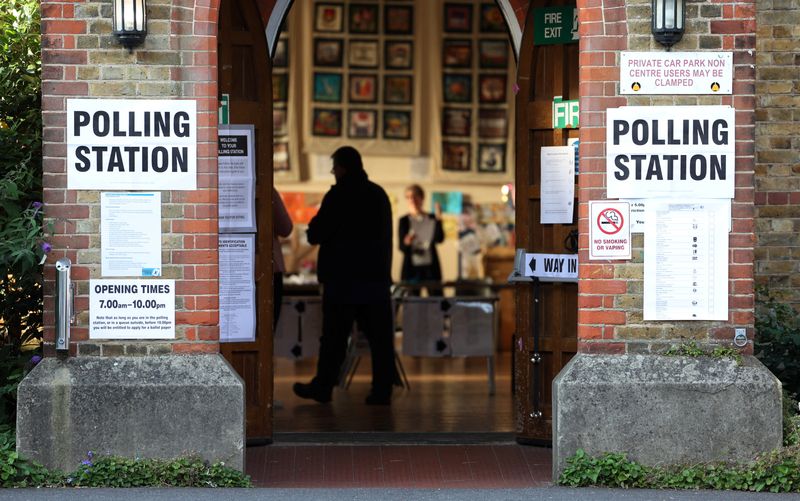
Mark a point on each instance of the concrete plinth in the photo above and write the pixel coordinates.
(147, 407)
(665, 410)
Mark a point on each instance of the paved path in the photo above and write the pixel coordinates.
(544, 494)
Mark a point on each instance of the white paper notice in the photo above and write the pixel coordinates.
(237, 289)
(558, 184)
(236, 157)
(638, 212)
(423, 328)
(132, 309)
(130, 234)
(472, 329)
(686, 261)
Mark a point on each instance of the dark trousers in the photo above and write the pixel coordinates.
(375, 321)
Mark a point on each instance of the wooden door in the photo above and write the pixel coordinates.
(244, 74)
(547, 328)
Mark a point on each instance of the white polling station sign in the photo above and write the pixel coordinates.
(132, 309)
(609, 230)
(670, 152)
(131, 144)
(676, 73)
(552, 267)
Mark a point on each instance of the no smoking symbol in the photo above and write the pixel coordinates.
(610, 221)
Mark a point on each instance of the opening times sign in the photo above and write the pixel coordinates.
(670, 151)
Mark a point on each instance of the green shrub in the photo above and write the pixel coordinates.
(19, 472)
(777, 340)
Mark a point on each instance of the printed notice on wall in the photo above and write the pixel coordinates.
(676, 73)
(670, 151)
(558, 184)
(237, 289)
(237, 179)
(686, 261)
(132, 309)
(131, 144)
(130, 234)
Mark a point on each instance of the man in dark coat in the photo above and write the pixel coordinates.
(354, 231)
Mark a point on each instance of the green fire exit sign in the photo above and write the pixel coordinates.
(555, 25)
(566, 114)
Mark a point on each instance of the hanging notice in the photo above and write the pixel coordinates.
(472, 328)
(237, 289)
(681, 152)
(130, 234)
(686, 261)
(237, 213)
(676, 73)
(299, 328)
(558, 184)
(132, 309)
(131, 144)
(609, 230)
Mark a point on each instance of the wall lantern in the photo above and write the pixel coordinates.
(130, 22)
(668, 21)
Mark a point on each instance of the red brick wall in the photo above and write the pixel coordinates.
(610, 293)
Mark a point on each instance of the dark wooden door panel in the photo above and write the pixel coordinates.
(245, 75)
(544, 72)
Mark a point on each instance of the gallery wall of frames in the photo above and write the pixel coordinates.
(396, 78)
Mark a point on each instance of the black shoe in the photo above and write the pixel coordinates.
(313, 391)
(375, 399)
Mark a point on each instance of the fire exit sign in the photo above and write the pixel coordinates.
(566, 114)
(555, 25)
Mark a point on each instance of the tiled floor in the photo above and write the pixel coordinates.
(424, 466)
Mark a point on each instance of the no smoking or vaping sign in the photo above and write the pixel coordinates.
(609, 230)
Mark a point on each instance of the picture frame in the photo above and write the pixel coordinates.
(363, 88)
(363, 54)
(456, 156)
(492, 88)
(457, 18)
(280, 157)
(280, 87)
(456, 122)
(328, 17)
(457, 53)
(281, 57)
(362, 18)
(396, 124)
(491, 158)
(362, 124)
(493, 53)
(491, 19)
(457, 88)
(398, 19)
(398, 54)
(327, 87)
(492, 123)
(398, 89)
(328, 52)
(326, 122)
(279, 122)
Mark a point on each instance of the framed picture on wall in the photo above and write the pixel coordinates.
(457, 53)
(363, 88)
(363, 18)
(398, 19)
(457, 88)
(281, 58)
(456, 122)
(280, 157)
(280, 87)
(457, 18)
(455, 156)
(492, 89)
(328, 17)
(328, 87)
(363, 54)
(362, 124)
(491, 19)
(398, 55)
(397, 89)
(327, 122)
(491, 158)
(328, 52)
(492, 123)
(493, 54)
(396, 124)
(279, 127)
